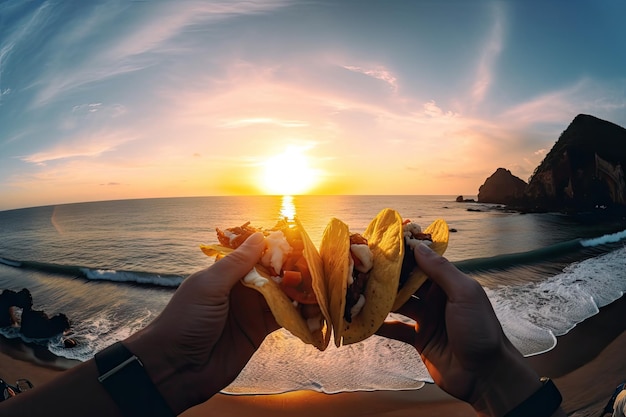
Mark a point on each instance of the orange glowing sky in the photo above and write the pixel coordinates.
(156, 99)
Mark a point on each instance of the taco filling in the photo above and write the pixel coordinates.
(413, 236)
(361, 273)
(361, 262)
(284, 262)
(411, 277)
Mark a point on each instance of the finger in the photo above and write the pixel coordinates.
(426, 306)
(254, 304)
(412, 308)
(237, 264)
(453, 282)
(270, 322)
(430, 316)
(423, 289)
(251, 310)
(398, 331)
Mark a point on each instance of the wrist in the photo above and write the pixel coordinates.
(504, 384)
(168, 372)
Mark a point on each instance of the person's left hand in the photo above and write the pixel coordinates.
(207, 332)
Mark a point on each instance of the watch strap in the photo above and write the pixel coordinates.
(542, 403)
(123, 376)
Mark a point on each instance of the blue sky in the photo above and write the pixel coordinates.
(113, 99)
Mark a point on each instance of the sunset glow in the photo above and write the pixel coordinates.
(165, 99)
(288, 173)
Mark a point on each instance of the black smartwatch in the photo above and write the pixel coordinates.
(123, 376)
(543, 403)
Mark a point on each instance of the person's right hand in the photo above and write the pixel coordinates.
(461, 341)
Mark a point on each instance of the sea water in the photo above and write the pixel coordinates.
(112, 266)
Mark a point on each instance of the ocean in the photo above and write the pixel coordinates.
(112, 266)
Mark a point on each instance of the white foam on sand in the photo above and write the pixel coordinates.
(284, 363)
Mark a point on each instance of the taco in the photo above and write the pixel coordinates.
(362, 274)
(411, 277)
(289, 275)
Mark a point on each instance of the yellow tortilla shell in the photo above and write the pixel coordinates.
(285, 313)
(335, 250)
(440, 234)
(384, 235)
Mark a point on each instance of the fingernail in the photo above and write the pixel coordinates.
(255, 239)
(425, 249)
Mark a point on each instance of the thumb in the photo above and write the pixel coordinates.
(237, 264)
(441, 271)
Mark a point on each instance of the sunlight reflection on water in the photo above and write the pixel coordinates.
(288, 208)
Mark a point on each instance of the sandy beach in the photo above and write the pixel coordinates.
(587, 364)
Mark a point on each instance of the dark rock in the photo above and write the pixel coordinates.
(10, 299)
(460, 199)
(583, 170)
(37, 325)
(502, 187)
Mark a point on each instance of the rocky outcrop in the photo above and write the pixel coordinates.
(583, 169)
(502, 187)
(460, 199)
(10, 299)
(37, 325)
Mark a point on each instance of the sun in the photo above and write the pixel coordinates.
(288, 173)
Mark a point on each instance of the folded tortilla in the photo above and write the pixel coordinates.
(283, 308)
(385, 239)
(440, 234)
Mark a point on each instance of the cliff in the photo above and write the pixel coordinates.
(583, 169)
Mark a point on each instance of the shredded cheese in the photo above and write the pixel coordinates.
(277, 250)
(253, 277)
(364, 254)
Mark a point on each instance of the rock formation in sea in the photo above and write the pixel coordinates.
(583, 170)
(502, 187)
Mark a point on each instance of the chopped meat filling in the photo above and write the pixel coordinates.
(412, 234)
(360, 263)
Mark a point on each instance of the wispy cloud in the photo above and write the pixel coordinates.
(377, 72)
(79, 147)
(137, 44)
(491, 51)
(560, 106)
(12, 39)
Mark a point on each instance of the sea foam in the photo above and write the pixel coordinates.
(132, 277)
(603, 240)
(533, 313)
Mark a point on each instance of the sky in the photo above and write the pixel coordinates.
(105, 100)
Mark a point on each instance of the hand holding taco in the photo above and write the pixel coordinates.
(349, 286)
(289, 275)
(369, 275)
(435, 236)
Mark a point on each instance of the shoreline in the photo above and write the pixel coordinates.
(586, 364)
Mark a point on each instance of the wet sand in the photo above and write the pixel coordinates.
(587, 364)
